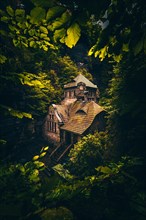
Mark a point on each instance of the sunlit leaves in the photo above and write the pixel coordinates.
(63, 172)
(45, 148)
(33, 176)
(27, 177)
(32, 43)
(60, 35)
(117, 58)
(73, 35)
(126, 32)
(30, 81)
(36, 157)
(39, 164)
(15, 113)
(34, 30)
(101, 53)
(42, 154)
(43, 30)
(104, 169)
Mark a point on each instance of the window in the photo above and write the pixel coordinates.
(52, 126)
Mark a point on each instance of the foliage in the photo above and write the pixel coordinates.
(119, 36)
(34, 30)
(126, 106)
(44, 28)
(20, 186)
(59, 169)
(87, 154)
(57, 214)
(114, 189)
(91, 186)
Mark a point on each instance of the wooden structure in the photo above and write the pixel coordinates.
(76, 116)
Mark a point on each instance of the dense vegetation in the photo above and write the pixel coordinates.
(44, 44)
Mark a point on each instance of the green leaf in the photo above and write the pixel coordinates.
(39, 164)
(32, 32)
(27, 115)
(103, 169)
(34, 176)
(2, 32)
(125, 47)
(43, 154)
(59, 22)
(46, 148)
(10, 11)
(16, 113)
(35, 157)
(37, 14)
(43, 35)
(12, 28)
(5, 19)
(20, 12)
(59, 34)
(45, 48)
(73, 35)
(15, 42)
(92, 50)
(43, 29)
(2, 59)
(117, 58)
(54, 12)
(19, 114)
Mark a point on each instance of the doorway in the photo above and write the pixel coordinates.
(68, 138)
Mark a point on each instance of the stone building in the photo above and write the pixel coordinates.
(76, 116)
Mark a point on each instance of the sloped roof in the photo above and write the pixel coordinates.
(78, 79)
(79, 122)
(61, 112)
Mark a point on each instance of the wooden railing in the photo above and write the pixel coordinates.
(55, 150)
(64, 152)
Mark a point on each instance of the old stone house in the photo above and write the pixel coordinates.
(76, 116)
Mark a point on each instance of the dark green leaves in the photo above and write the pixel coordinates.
(37, 14)
(10, 11)
(43, 3)
(138, 47)
(54, 12)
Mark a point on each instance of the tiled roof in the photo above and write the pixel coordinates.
(61, 112)
(81, 116)
(78, 79)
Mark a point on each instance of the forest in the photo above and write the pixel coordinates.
(44, 45)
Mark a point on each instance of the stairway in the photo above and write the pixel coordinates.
(58, 154)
